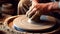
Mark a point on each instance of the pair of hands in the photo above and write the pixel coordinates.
(37, 9)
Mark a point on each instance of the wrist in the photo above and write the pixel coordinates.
(55, 5)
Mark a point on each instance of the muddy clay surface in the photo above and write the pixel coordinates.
(6, 30)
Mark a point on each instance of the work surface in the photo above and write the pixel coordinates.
(10, 31)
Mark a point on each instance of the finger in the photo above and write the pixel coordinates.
(22, 10)
(26, 6)
(31, 8)
(34, 16)
(32, 12)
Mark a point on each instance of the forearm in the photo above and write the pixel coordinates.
(53, 6)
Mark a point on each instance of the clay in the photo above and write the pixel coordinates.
(30, 21)
(22, 22)
(13, 20)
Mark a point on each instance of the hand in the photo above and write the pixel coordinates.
(36, 10)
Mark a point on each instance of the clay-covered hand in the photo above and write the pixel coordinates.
(36, 10)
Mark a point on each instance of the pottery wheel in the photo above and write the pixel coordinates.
(22, 22)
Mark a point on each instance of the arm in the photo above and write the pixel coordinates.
(53, 6)
(42, 8)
